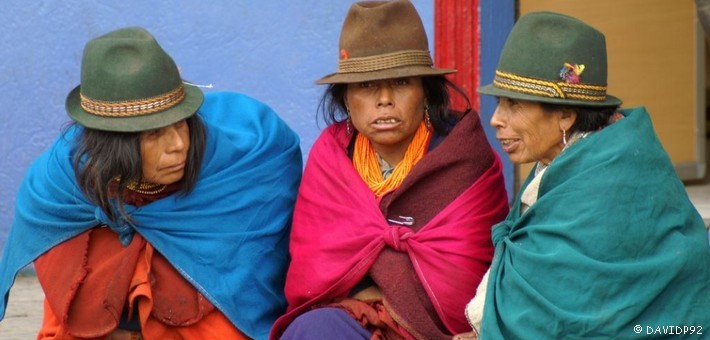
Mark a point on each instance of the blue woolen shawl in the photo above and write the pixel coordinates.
(228, 237)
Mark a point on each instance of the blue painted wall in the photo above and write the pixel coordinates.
(271, 50)
(497, 18)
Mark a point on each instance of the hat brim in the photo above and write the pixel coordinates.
(392, 73)
(493, 90)
(186, 108)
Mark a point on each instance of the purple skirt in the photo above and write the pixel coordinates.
(326, 323)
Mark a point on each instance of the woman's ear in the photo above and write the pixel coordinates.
(567, 119)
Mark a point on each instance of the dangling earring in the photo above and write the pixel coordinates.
(427, 118)
(348, 122)
(564, 137)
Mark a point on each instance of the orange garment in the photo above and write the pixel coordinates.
(90, 279)
(375, 317)
(157, 319)
(212, 326)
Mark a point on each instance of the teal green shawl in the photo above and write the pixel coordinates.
(611, 243)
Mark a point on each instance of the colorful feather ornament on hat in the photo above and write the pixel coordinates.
(570, 73)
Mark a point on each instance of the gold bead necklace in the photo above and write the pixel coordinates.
(146, 188)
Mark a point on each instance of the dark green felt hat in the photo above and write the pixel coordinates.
(130, 84)
(553, 58)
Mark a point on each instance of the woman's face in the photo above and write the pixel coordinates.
(164, 153)
(527, 133)
(387, 112)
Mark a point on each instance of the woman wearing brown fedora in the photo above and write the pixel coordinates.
(392, 221)
(602, 241)
(158, 214)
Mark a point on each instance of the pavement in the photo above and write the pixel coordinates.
(23, 316)
(700, 196)
(24, 310)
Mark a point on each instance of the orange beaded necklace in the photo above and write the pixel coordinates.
(368, 166)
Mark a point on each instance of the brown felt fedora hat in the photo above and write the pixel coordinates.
(382, 40)
(130, 84)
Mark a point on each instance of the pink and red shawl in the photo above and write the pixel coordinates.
(339, 231)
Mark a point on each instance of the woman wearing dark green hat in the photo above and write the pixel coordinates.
(159, 213)
(602, 240)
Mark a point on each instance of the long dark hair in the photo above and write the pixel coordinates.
(436, 91)
(103, 156)
(589, 118)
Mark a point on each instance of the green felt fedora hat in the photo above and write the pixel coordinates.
(553, 58)
(130, 84)
(382, 40)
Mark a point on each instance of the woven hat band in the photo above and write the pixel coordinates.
(384, 61)
(564, 90)
(133, 108)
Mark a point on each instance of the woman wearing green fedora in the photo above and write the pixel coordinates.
(158, 214)
(602, 240)
(391, 230)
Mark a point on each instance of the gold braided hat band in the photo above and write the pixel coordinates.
(384, 61)
(545, 88)
(133, 108)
